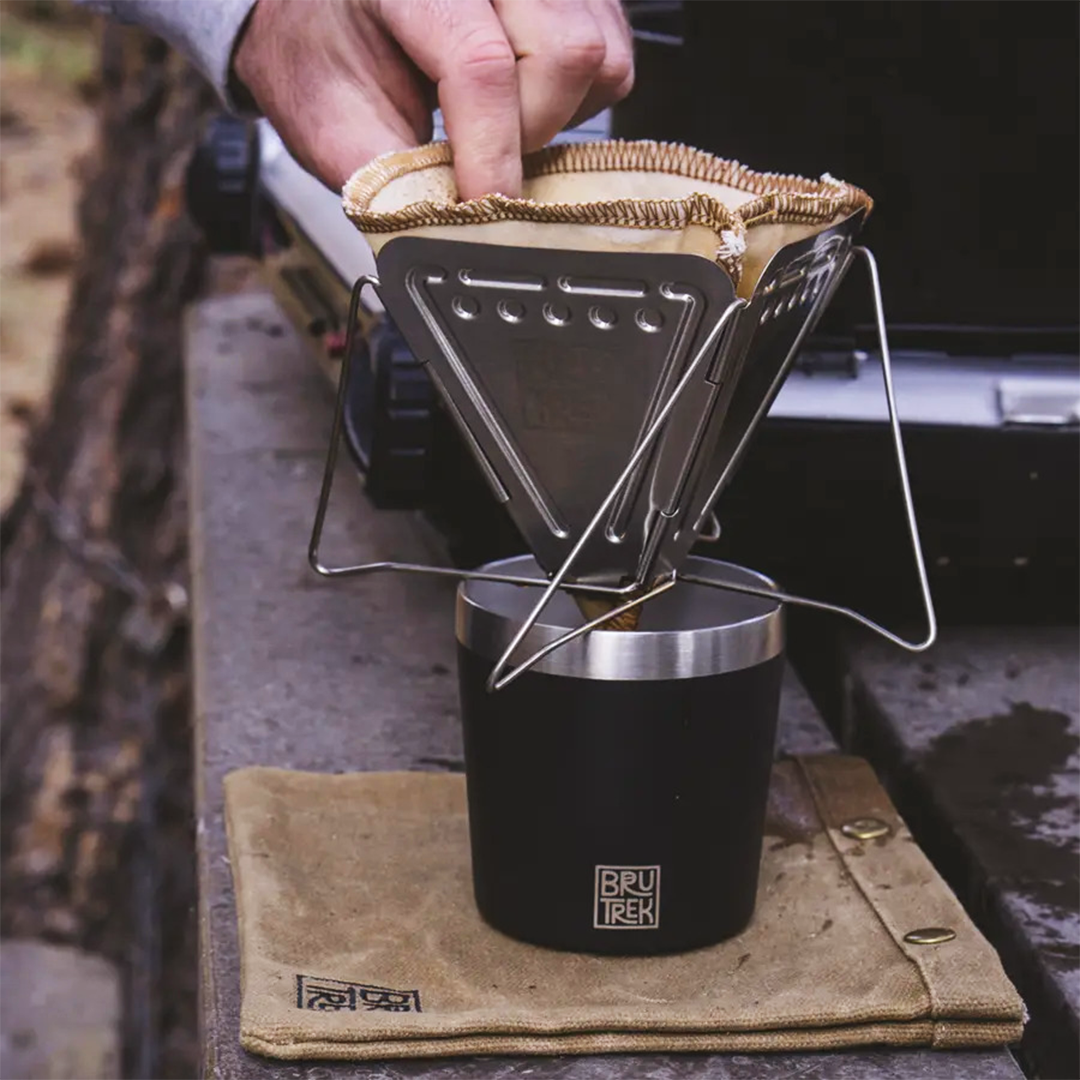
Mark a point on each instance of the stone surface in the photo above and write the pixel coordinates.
(298, 672)
(980, 741)
(59, 1013)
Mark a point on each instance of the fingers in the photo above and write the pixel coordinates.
(560, 49)
(574, 59)
(461, 46)
(339, 80)
(615, 79)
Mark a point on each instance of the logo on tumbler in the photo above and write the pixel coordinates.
(627, 898)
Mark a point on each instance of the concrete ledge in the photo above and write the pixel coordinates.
(978, 742)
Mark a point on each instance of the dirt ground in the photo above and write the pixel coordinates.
(47, 61)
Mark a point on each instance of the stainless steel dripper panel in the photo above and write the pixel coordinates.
(791, 295)
(555, 364)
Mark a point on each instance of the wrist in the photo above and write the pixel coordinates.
(245, 64)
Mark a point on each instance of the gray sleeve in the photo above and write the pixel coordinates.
(203, 30)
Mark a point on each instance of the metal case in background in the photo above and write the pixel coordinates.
(947, 114)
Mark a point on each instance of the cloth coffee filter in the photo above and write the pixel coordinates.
(608, 196)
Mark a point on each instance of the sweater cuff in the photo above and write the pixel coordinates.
(205, 31)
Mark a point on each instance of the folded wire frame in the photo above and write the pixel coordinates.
(674, 450)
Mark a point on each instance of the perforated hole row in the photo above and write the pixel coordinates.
(557, 313)
(789, 301)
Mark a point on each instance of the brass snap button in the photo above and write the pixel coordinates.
(930, 935)
(865, 828)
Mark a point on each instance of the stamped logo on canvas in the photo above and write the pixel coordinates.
(627, 898)
(337, 995)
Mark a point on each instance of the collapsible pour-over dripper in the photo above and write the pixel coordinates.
(608, 396)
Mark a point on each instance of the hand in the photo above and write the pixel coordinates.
(343, 81)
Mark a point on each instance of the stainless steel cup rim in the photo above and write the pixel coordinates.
(691, 631)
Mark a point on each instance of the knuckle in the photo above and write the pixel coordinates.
(583, 54)
(618, 70)
(484, 57)
(619, 78)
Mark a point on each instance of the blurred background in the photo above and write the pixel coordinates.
(97, 259)
(48, 87)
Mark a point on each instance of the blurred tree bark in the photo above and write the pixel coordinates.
(95, 743)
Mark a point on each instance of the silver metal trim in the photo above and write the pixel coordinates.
(488, 616)
(1039, 402)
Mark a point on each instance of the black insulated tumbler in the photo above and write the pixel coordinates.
(617, 790)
